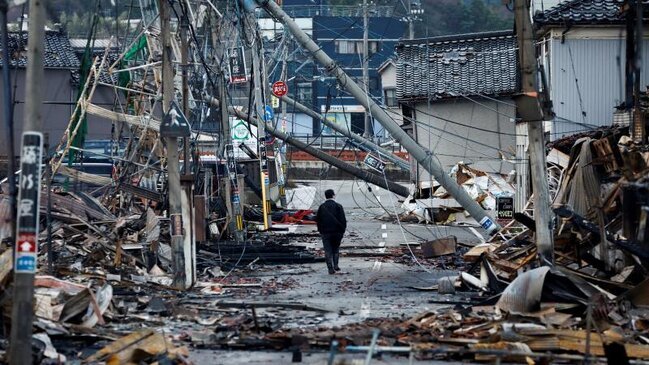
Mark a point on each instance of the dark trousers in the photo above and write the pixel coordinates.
(331, 243)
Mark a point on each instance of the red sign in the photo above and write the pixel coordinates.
(280, 89)
(26, 242)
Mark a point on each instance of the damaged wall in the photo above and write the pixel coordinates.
(459, 140)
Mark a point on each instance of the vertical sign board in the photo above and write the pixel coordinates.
(237, 65)
(28, 203)
(505, 207)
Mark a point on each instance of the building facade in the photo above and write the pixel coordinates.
(583, 50)
(456, 96)
(338, 30)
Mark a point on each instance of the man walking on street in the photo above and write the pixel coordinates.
(331, 225)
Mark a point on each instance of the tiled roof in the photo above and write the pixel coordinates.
(575, 12)
(58, 52)
(466, 64)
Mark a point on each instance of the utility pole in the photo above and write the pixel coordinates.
(26, 247)
(236, 214)
(173, 171)
(533, 109)
(634, 39)
(426, 158)
(187, 179)
(411, 21)
(262, 114)
(279, 158)
(368, 132)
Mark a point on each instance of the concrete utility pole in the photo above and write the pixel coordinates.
(261, 112)
(368, 132)
(634, 39)
(426, 158)
(236, 214)
(533, 110)
(342, 129)
(26, 247)
(187, 179)
(175, 191)
(279, 158)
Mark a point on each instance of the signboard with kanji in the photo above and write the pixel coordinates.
(237, 65)
(505, 207)
(29, 185)
(374, 163)
(279, 88)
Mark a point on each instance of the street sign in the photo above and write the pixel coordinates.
(505, 207)
(174, 123)
(28, 203)
(237, 66)
(374, 163)
(240, 131)
(268, 113)
(274, 101)
(279, 88)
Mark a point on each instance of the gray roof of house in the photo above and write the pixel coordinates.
(58, 52)
(583, 12)
(460, 65)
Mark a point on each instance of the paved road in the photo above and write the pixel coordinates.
(370, 288)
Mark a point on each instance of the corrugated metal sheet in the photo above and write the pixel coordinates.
(593, 71)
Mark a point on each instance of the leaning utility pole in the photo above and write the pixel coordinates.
(426, 158)
(173, 171)
(367, 133)
(26, 247)
(533, 109)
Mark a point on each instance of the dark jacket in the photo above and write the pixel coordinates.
(331, 218)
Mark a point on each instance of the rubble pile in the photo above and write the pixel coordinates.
(590, 306)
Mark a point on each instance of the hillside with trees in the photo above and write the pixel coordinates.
(440, 17)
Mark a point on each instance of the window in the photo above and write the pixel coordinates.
(304, 93)
(390, 97)
(356, 47)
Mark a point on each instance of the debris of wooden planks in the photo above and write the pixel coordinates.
(138, 347)
(439, 247)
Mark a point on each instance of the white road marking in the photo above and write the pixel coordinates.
(365, 305)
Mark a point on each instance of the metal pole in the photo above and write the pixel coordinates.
(259, 107)
(342, 129)
(20, 351)
(184, 60)
(8, 118)
(531, 111)
(425, 158)
(367, 133)
(236, 215)
(175, 190)
(306, 147)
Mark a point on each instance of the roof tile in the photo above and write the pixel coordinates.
(461, 65)
(58, 52)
